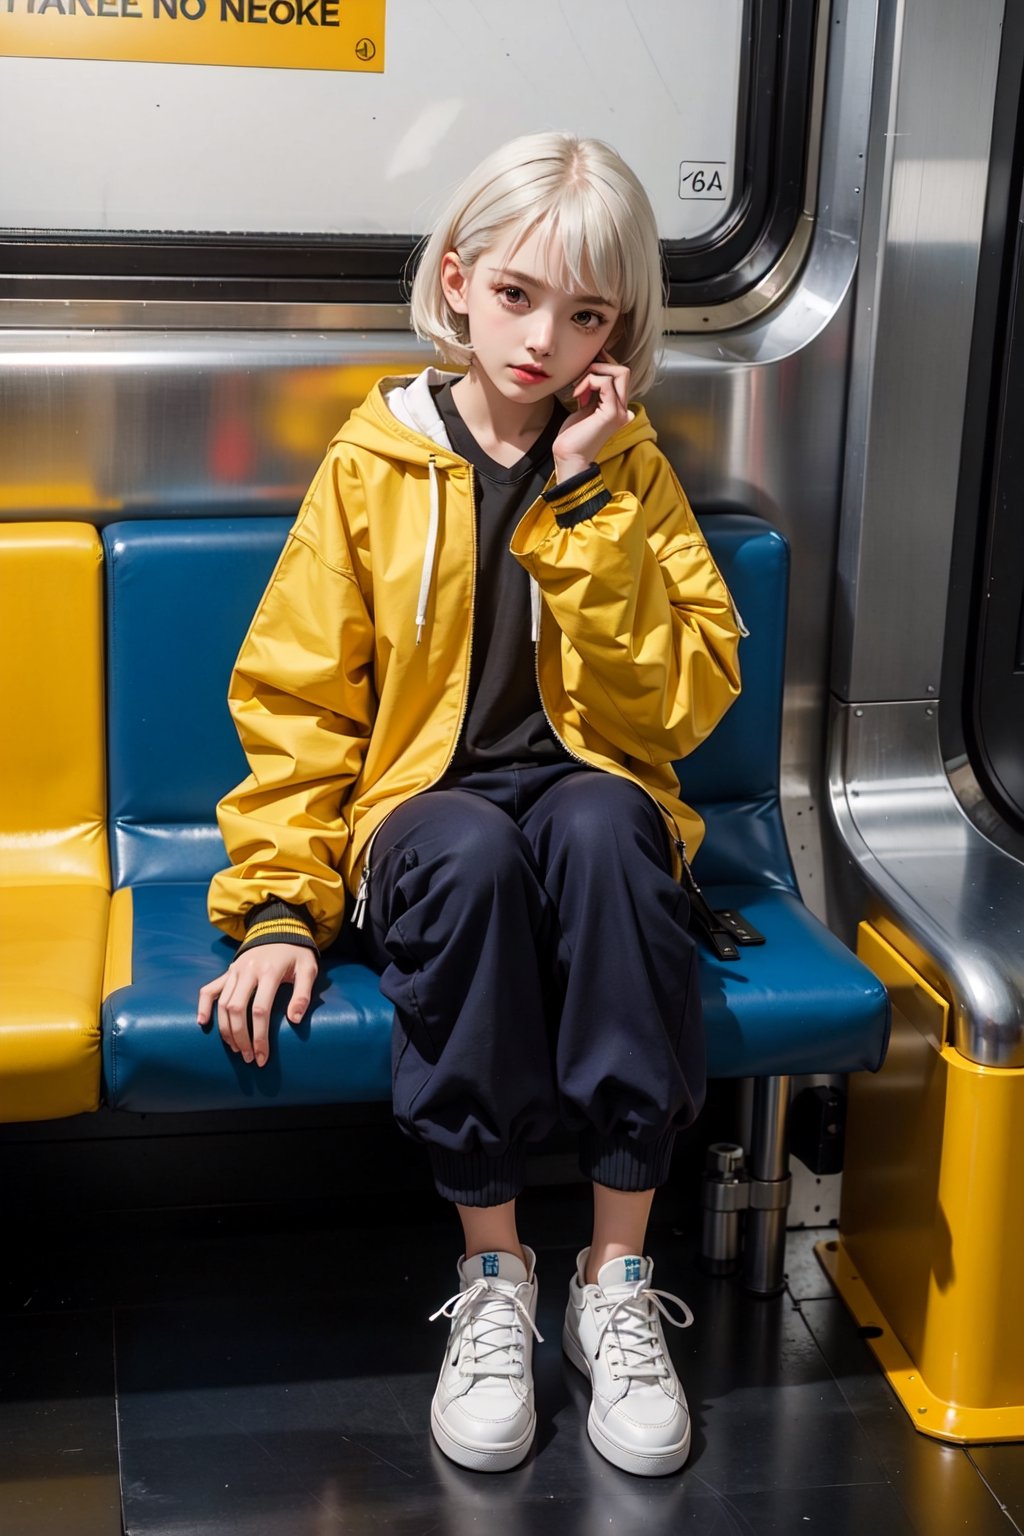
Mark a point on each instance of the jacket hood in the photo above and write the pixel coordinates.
(399, 418)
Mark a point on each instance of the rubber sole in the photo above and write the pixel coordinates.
(657, 1463)
(494, 1459)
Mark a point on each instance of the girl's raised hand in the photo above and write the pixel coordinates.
(602, 394)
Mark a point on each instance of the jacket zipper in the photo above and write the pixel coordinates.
(363, 888)
(678, 843)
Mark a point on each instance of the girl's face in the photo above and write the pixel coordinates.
(530, 338)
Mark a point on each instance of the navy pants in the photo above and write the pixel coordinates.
(528, 929)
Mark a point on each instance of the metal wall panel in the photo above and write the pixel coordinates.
(940, 891)
(927, 178)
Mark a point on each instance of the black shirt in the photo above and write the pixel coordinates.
(505, 725)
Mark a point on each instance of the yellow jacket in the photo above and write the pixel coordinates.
(344, 711)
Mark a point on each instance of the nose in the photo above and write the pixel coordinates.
(541, 333)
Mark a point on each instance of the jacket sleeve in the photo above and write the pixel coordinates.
(302, 699)
(650, 636)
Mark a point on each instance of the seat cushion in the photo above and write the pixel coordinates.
(799, 1003)
(52, 940)
(180, 596)
(740, 759)
(155, 1056)
(52, 800)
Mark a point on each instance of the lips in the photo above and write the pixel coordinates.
(528, 375)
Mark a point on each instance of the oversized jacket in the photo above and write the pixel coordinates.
(351, 685)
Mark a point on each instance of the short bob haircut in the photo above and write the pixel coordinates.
(603, 239)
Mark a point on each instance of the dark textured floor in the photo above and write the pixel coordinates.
(266, 1373)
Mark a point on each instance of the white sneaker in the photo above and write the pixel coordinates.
(482, 1415)
(638, 1418)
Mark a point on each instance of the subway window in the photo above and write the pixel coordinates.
(158, 158)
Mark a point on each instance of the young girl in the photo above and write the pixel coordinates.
(494, 627)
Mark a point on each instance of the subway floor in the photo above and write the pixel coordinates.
(267, 1371)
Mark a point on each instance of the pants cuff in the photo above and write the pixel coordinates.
(623, 1162)
(477, 1178)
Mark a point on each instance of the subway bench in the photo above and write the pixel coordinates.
(179, 594)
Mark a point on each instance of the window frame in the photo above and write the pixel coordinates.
(372, 269)
(983, 664)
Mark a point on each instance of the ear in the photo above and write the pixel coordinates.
(454, 283)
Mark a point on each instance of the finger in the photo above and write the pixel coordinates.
(266, 991)
(618, 375)
(237, 1008)
(302, 989)
(602, 387)
(208, 995)
(223, 1004)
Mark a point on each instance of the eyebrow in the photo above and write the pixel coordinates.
(538, 282)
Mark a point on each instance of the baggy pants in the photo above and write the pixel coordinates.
(534, 943)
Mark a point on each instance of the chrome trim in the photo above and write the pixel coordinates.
(195, 315)
(979, 810)
(943, 894)
(749, 306)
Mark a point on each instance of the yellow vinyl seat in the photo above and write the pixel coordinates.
(54, 868)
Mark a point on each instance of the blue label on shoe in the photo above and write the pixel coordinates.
(491, 1267)
(632, 1270)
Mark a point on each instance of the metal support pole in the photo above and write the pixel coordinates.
(764, 1251)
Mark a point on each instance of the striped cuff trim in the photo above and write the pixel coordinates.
(277, 922)
(276, 933)
(574, 482)
(284, 925)
(579, 498)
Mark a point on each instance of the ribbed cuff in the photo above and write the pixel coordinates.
(474, 1178)
(579, 497)
(622, 1162)
(276, 922)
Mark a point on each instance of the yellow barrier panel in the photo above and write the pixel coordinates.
(931, 1249)
(270, 34)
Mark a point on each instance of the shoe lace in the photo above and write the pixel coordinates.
(487, 1329)
(632, 1320)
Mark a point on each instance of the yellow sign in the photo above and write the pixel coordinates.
(273, 34)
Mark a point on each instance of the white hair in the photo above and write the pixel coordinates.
(602, 239)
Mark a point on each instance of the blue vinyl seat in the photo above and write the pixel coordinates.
(180, 595)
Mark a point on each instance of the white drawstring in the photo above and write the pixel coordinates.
(430, 555)
(427, 571)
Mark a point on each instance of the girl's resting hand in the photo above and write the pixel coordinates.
(603, 407)
(248, 988)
